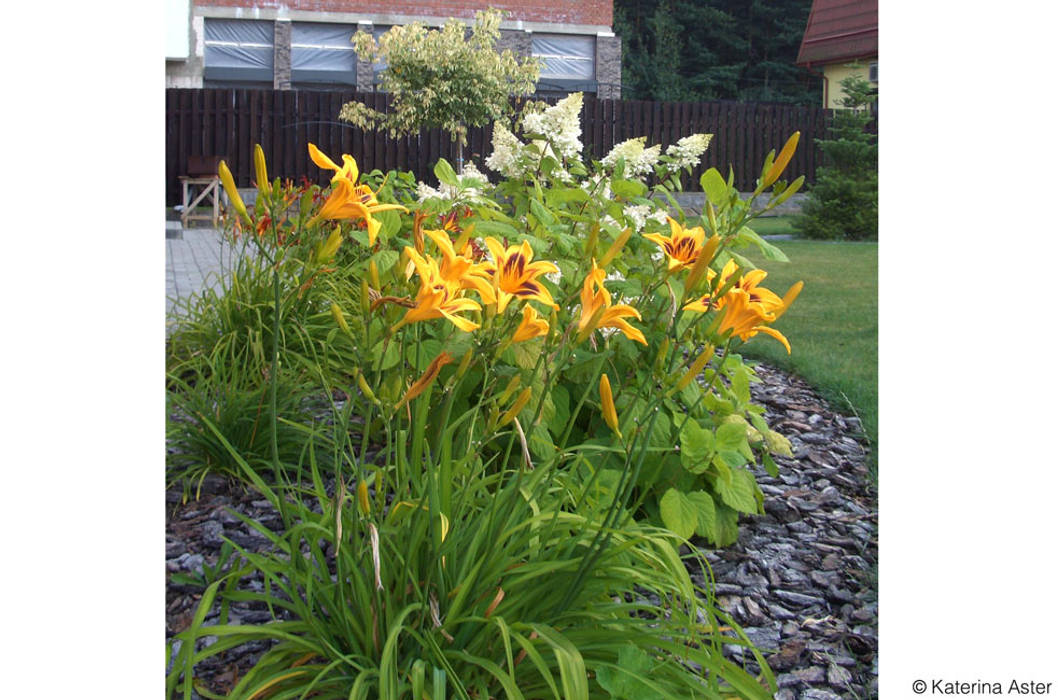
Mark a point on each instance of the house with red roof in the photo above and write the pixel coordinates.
(841, 39)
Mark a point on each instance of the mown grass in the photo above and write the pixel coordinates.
(774, 225)
(833, 325)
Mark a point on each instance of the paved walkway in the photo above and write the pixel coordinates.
(194, 258)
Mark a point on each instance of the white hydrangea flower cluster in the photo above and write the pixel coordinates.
(508, 157)
(639, 160)
(687, 152)
(593, 187)
(470, 189)
(641, 213)
(560, 123)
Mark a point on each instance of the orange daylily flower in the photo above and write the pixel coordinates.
(531, 326)
(347, 199)
(515, 275)
(597, 312)
(747, 307)
(437, 297)
(457, 266)
(682, 247)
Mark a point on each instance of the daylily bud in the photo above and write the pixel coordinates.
(609, 411)
(339, 317)
(593, 238)
(782, 160)
(464, 364)
(365, 297)
(511, 388)
(663, 352)
(362, 499)
(330, 247)
(233, 192)
(614, 249)
(372, 269)
(711, 216)
(365, 388)
(261, 170)
(427, 378)
(517, 406)
(701, 264)
(695, 368)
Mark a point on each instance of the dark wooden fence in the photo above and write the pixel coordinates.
(228, 122)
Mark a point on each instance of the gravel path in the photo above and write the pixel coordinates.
(801, 579)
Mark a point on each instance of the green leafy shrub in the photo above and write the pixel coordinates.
(541, 405)
(212, 415)
(843, 204)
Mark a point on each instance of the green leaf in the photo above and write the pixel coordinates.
(391, 357)
(629, 678)
(627, 189)
(542, 213)
(730, 436)
(714, 187)
(679, 513)
(747, 236)
(696, 447)
(421, 354)
(707, 524)
(740, 491)
(560, 398)
(390, 221)
(740, 384)
(385, 260)
(565, 195)
(497, 229)
(769, 465)
(444, 172)
(726, 526)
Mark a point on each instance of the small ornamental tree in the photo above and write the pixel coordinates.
(443, 78)
(843, 204)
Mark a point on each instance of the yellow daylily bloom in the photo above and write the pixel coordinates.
(347, 170)
(438, 297)
(458, 266)
(682, 246)
(748, 307)
(596, 310)
(349, 200)
(354, 202)
(514, 274)
(531, 326)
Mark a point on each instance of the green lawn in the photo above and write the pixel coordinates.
(772, 225)
(832, 326)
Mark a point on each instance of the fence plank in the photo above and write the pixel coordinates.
(229, 122)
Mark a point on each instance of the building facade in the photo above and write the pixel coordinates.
(841, 39)
(306, 43)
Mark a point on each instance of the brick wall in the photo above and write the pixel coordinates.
(598, 12)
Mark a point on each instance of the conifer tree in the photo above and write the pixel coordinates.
(843, 204)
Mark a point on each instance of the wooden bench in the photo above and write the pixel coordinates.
(201, 182)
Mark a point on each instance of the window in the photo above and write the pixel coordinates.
(872, 72)
(322, 53)
(238, 52)
(565, 56)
